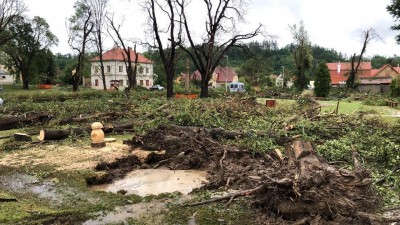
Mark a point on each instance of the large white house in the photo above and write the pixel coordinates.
(5, 76)
(115, 70)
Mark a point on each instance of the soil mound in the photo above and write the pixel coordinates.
(301, 187)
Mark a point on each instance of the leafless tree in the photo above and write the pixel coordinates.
(9, 11)
(367, 36)
(80, 26)
(119, 41)
(169, 35)
(221, 19)
(99, 12)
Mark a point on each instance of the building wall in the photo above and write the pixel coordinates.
(6, 79)
(116, 70)
(374, 88)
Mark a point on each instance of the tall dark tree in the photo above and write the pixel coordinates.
(394, 10)
(221, 19)
(169, 35)
(10, 12)
(34, 36)
(80, 26)
(367, 37)
(99, 13)
(119, 41)
(302, 55)
(322, 81)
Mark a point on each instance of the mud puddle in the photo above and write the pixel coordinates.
(147, 211)
(156, 181)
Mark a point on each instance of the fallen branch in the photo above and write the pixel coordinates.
(378, 218)
(8, 200)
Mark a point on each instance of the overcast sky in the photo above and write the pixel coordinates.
(330, 24)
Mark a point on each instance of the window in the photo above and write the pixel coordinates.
(96, 69)
(147, 83)
(140, 70)
(96, 83)
(141, 83)
(108, 69)
(121, 82)
(121, 69)
(147, 69)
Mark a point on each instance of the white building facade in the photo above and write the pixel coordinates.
(5, 76)
(115, 70)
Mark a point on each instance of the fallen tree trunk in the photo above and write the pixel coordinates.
(55, 135)
(8, 122)
(220, 132)
(22, 137)
(85, 118)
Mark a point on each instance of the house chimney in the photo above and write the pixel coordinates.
(338, 68)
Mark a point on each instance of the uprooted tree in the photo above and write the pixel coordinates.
(220, 35)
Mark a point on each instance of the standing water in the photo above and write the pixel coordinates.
(157, 181)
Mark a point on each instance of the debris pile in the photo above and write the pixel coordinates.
(299, 187)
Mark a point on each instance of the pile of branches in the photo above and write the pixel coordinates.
(299, 187)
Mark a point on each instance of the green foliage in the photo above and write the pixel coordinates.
(302, 54)
(322, 81)
(395, 87)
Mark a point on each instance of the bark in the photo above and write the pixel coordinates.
(22, 137)
(55, 135)
(84, 118)
(8, 122)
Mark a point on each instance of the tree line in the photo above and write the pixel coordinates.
(25, 45)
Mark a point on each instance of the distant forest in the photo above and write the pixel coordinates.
(254, 61)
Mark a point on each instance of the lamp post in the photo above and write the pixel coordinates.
(226, 79)
(283, 76)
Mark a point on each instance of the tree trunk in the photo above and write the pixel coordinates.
(56, 135)
(12, 122)
(204, 91)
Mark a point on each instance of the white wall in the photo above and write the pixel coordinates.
(6, 79)
(116, 70)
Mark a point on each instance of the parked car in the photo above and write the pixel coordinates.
(156, 87)
(237, 87)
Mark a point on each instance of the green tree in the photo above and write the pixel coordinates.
(80, 26)
(395, 87)
(34, 38)
(394, 10)
(322, 80)
(301, 50)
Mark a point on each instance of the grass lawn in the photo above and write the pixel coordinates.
(345, 107)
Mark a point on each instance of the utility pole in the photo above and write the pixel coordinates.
(283, 76)
(226, 75)
(187, 81)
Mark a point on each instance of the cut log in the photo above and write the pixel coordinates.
(98, 145)
(56, 135)
(8, 122)
(22, 137)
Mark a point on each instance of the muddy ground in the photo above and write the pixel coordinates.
(327, 196)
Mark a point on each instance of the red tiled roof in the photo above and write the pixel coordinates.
(117, 54)
(224, 74)
(339, 76)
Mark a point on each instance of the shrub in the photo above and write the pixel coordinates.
(395, 87)
(322, 81)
